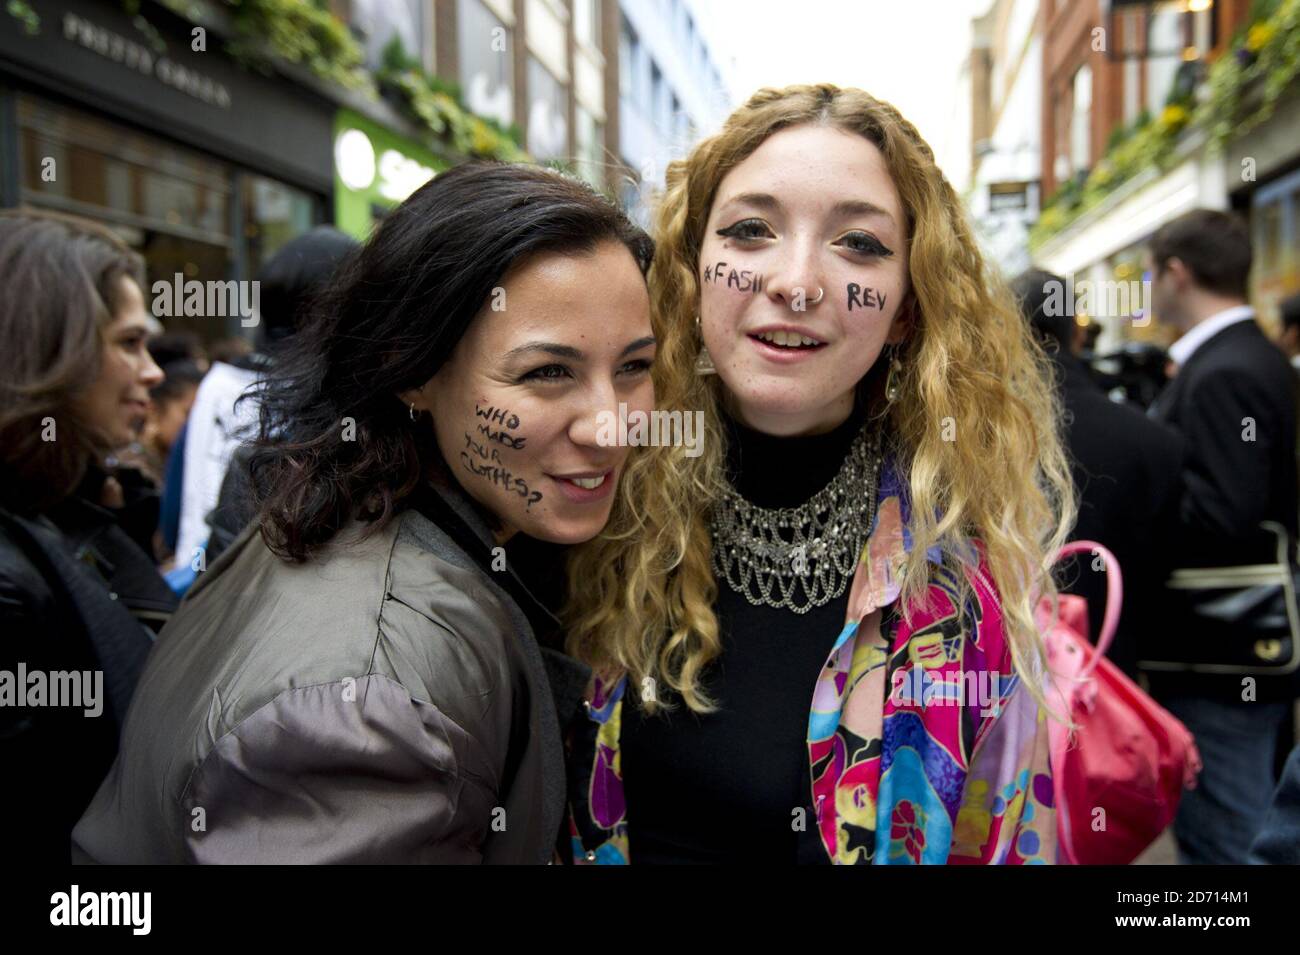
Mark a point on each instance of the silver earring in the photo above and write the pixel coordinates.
(413, 416)
(703, 361)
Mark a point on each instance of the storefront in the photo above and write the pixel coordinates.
(375, 169)
(1275, 238)
(204, 167)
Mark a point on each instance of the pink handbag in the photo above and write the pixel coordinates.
(1118, 782)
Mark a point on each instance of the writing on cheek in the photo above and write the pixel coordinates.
(501, 416)
(485, 462)
(742, 280)
(864, 297)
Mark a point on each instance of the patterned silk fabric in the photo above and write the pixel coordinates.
(924, 745)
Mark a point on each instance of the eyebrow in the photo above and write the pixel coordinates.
(845, 207)
(568, 351)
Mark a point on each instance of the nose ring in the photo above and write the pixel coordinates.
(821, 294)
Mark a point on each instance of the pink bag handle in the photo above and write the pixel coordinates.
(1114, 594)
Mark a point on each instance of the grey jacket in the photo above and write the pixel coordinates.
(384, 702)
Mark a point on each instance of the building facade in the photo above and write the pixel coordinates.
(1111, 70)
(1005, 80)
(671, 91)
(163, 138)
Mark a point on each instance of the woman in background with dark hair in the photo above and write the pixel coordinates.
(221, 417)
(357, 678)
(77, 594)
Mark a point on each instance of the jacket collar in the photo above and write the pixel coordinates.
(446, 504)
(1191, 341)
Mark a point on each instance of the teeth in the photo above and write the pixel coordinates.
(787, 339)
(588, 483)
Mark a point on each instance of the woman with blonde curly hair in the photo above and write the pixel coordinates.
(815, 641)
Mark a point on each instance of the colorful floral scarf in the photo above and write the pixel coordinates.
(923, 743)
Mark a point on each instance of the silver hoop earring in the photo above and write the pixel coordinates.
(703, 360)
(821, 294)
(413, 415)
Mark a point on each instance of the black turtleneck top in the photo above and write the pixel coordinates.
(725, 787)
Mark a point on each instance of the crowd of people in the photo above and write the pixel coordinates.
(380, 589)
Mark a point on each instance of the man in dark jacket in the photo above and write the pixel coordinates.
(1233, 397)
(1125, 469)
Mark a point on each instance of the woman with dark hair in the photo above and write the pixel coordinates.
(357, 678)
(78, 596)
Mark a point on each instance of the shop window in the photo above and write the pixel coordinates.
(1165, 35)
(548, 126)
(586, 22)
(1081, 119)
(486, 62)
(379, 22)
(273, 214)
(626, 55)
(175, 206)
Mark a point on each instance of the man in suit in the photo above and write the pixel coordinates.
(1126, 474)
(1233, 397)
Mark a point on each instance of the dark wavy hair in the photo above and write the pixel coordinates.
(334, 442)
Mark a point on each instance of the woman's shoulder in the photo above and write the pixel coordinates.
(367, 606)
(22, 585)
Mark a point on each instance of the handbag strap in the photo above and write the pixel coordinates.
(1114, 594)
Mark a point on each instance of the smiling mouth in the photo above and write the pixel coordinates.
(790, 340)
(588, 482)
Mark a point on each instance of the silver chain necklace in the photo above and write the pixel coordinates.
(800, 557)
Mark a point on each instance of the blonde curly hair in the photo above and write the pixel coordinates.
(641, 594)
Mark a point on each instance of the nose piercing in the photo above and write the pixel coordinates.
(821, 294)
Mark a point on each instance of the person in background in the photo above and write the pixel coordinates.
(290, 284)
(218, 421)
(170, 347)
(78, 595)
(231, 351)
(1233, 398)
(169, 407)
(1288, 337)
(1278, 842)
(1126, 474)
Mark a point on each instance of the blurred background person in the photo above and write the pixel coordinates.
(1233, 398)
(169, 407)
(1278, 842)
(1288, 338)
(168, 348)
(219, 421)
(1126, 473)
(77, 593)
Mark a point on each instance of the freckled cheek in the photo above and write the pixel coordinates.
(722, 313)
